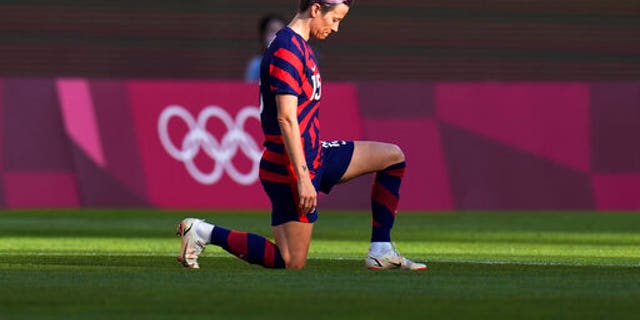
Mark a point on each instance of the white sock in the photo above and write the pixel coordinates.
(204, 230)
(378, 248)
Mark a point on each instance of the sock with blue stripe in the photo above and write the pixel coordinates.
(385, 195)
(250, 247)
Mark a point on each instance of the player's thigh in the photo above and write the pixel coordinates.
(293, 239)
(371, 156)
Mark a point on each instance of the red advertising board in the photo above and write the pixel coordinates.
(181, 144)
(201, 143)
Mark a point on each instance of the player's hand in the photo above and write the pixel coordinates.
(308, 196)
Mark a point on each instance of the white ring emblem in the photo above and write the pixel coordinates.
(221, 151)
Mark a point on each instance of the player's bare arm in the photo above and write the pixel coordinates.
(288, 121)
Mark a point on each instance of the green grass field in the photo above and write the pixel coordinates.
(121, 264)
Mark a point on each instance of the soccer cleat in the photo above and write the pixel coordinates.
(392, 259)
(192, 245)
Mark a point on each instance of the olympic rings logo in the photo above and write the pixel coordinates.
(221, 151)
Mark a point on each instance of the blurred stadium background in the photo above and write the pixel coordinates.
(519, 105)
(408, 40)
(501, 106)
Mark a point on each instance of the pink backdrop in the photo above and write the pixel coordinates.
(195, 144)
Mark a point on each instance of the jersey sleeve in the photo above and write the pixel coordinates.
(285, 71)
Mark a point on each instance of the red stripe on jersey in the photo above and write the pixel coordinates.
(291, 58)
(275, 177)
(317, 123)
(317, 162)
(306, 47)
(275, 157)
(237, 242)
(313, 135)
(302, 106)
(295, 41)
(285, 77)
(273, 138)
(381, 195)
(307, 88)
(305, 121)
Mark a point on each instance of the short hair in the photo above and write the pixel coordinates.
(306, 4)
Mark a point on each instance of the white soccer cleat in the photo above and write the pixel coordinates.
(192, 245)
(392, 259)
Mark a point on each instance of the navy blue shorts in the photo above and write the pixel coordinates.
(336, 156)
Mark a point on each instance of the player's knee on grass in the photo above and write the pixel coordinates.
(296, 264)
(292, 260)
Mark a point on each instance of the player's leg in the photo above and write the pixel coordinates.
(388, 162)
(293, 239)
(253, 248)
(291, 230)
(372, 156)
